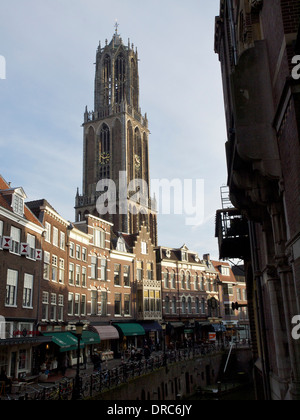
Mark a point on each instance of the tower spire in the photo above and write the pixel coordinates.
(116, 27)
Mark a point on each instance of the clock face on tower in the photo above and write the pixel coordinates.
(104, 158)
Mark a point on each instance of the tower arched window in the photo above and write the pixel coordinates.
(106, 71)
(104, 152)
(120, 77)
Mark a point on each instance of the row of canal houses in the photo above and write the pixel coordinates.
(125, 290)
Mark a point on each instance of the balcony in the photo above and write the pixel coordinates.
(232, 233)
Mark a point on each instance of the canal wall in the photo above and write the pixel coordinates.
(170, 382)
(181, 379)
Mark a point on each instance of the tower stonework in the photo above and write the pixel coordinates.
(116, 180)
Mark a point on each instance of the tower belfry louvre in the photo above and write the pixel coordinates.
(116, 145)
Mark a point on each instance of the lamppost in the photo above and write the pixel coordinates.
(76, 389)
(164, 326)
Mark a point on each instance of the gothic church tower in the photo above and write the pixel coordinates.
(116, 144)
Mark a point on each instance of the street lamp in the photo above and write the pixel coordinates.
(164, 326)
(76, 390)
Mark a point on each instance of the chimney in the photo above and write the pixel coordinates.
(206, 257)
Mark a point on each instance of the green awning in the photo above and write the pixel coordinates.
(65, 340)
(130, 329)
(89, 337)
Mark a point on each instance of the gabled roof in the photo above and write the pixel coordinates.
(6, 191)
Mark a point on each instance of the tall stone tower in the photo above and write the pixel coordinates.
(116, 182)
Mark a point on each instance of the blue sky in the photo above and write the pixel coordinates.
(50, 47)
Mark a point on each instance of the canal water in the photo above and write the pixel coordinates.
(233, 393)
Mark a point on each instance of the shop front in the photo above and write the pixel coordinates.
(109, 341)
(131, 335)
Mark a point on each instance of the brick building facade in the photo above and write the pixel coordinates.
(256, 42)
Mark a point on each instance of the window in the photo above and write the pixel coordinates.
(23, 358)
(84, 254)
(15, 234)
(188, 281)
(196, 282)
(72, 249)
(118, 304)
(103, 303)
(149, 271)
(152, 300)
(31, 243)
(225, 271)
(83, 305)
(202, 284)
(71, 274)
(77, 304)
(197, 305)
(126, 275)
(173, 282)
(146, 300)
(78, 252)
(127, 305)
(70, 303)
(18, 204)
(28, 291)
(174, 305)
(11, 288)
(183, 305)
(183, 256)
(54, 268)
(60, 314)
(167, 305)
(117, 269)
(78, 275)
(55, 236)
(189, 303)
(103, 269)
(203, 306)
(83, 276)
(62, 240)
(46, 265)
(144, 248)
(53, 307)
(94, 302)
(182, 280)
(166, 280)
(94, 270)
(48, 232)
(45, 306)
(157, 301)
(61, 276)
(139, 270)
(99, 238)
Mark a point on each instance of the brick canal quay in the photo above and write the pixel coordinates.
(185, 374)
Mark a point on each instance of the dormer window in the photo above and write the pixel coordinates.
(18, 204)
(184, 256)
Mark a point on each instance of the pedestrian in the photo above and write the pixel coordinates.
(65, 365)
(147, 352)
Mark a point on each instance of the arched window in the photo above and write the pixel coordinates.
(173, 282)
(106, 69)
(188, 281)
(182, 280)
(203, 306)
(104, 152)
(166, 279)
(174, 309)
(120, 77)
(137, 153)
(167, 305)
(197, 305)
(183, 305)
(189, 304)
